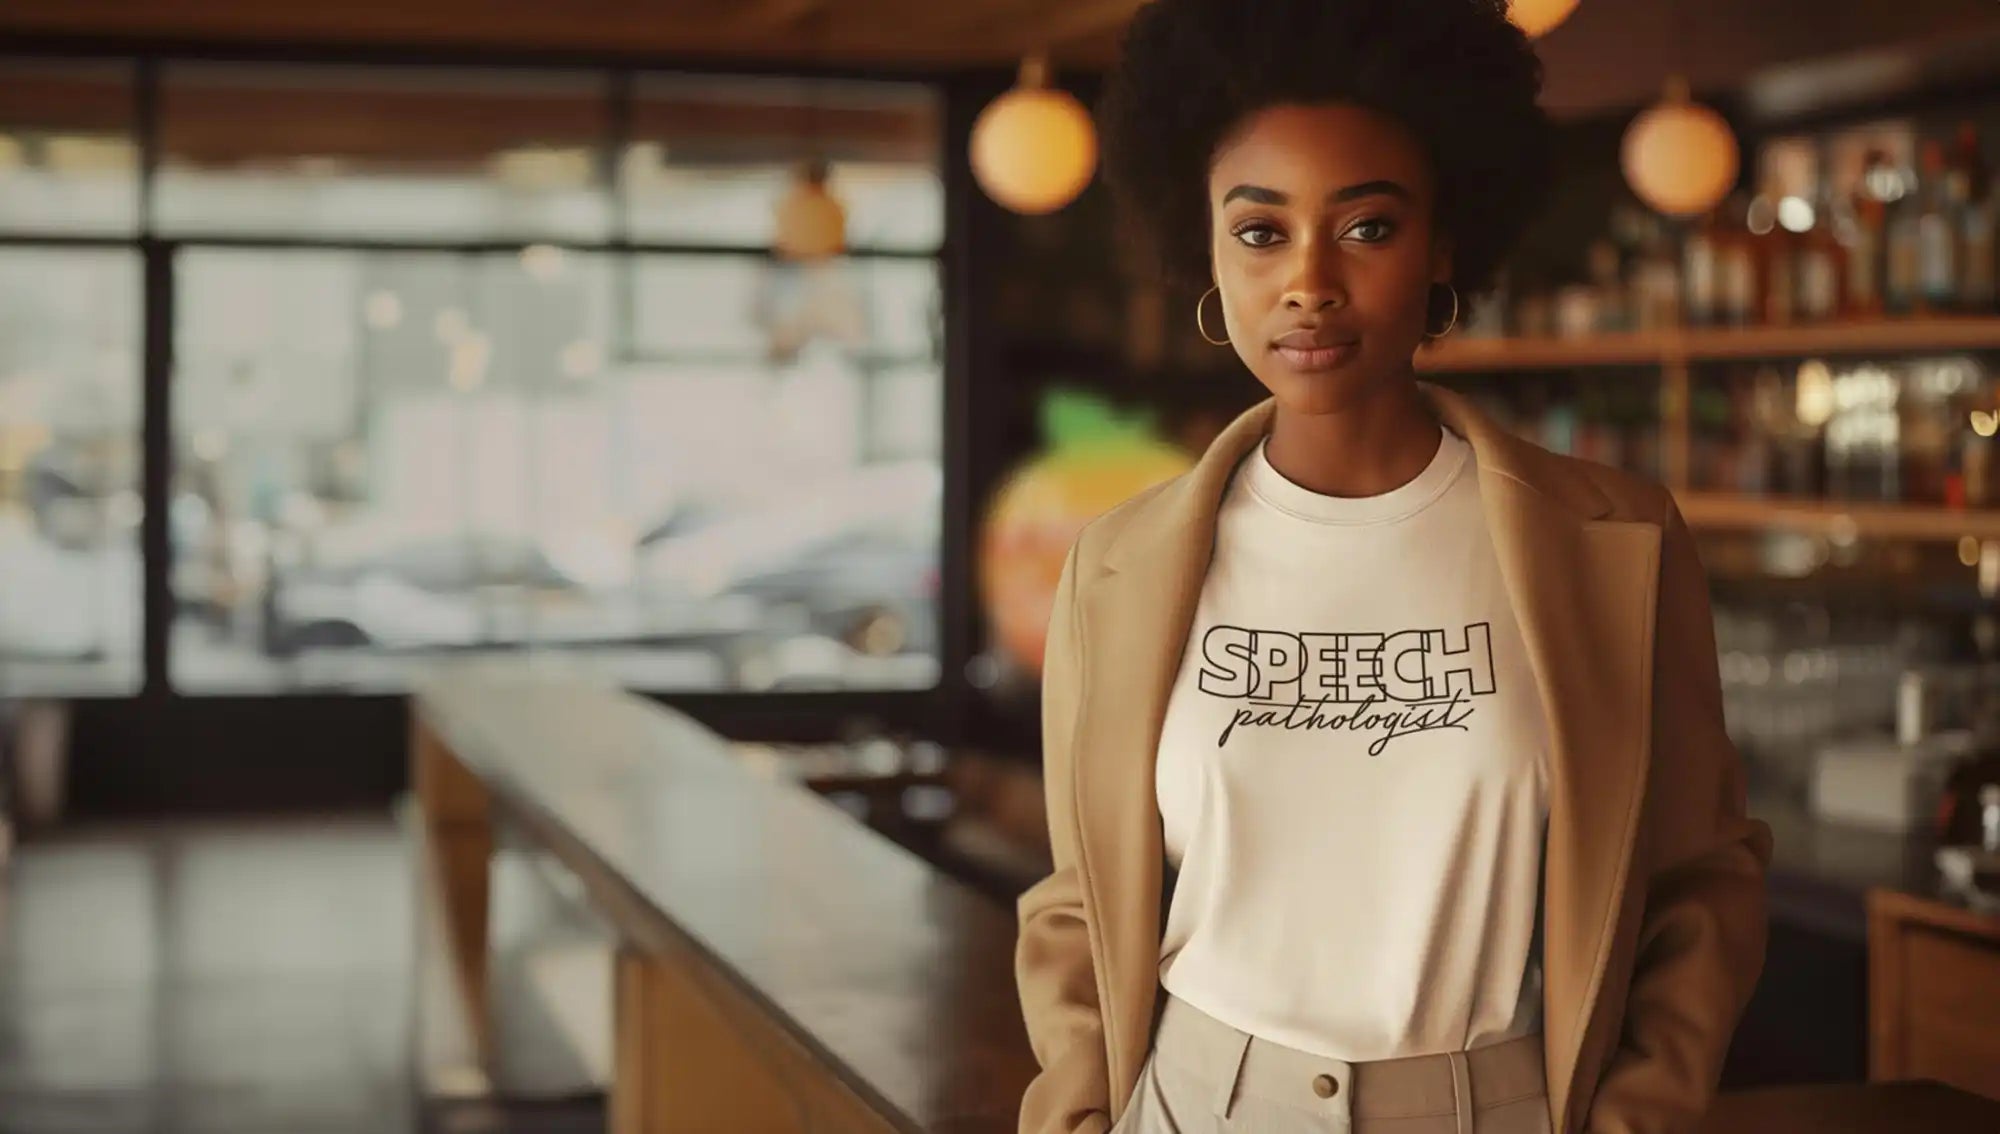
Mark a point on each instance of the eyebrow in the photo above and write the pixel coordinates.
(1257, 194)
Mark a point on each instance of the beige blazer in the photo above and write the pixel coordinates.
(1654, 901)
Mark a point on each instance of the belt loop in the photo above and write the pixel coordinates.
(1461, 1091)
(1225, 1094)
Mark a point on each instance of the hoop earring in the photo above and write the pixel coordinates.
(1200, 326)
(1454, 315)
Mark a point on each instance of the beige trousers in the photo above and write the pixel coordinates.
(1205, 1077)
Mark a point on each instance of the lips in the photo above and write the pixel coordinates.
(1313, 338)
(1316, 348)
(1319, 358)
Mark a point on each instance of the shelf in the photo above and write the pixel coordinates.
(1720, 511)
(1888, 336)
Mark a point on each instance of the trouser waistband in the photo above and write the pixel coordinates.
(1456, 1082)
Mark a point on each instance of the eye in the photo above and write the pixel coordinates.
(1372, 230)
(1256, 234)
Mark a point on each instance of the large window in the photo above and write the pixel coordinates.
(455, 369)
(384, 457)
(70, 583)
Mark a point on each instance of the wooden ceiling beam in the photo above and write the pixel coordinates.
(892, 33)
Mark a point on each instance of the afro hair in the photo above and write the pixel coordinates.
(1455, 73)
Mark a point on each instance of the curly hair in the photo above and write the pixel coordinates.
(1455, 73)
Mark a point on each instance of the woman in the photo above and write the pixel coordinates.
(1387, 779)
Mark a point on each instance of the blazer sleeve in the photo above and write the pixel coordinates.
(1052, 964)
(1703, 934)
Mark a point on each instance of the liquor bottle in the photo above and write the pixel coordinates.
(1976, 464)
(1902, 277)
(1701, 255)
(1822, 260)
(1736, 264)
(1777, 258)
(1925, 437)
(1972, 411)
(1941, 193)
(1792, 461)
(1656, 282)
(1754, 451)
(1799, 447)
(1867, 239)
(1809, 430)
(1976, 285)
(1612, 299)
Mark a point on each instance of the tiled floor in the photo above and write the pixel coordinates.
(240, 978)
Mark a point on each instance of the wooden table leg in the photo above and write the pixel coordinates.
(458, 832)
(638, 1071)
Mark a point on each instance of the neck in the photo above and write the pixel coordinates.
(1370, 446)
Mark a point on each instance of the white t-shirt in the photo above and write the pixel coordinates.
(1352, 774)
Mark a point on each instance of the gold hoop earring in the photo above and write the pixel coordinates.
(1454, 315)
(1202, 327)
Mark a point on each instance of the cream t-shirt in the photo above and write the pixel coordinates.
(1352, 775)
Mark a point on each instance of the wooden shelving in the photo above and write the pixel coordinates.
(1679, 347)
(1675, 353)
(1716, 511)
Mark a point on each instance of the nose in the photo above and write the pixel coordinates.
(1315, 284)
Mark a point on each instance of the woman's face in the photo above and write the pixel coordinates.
(1322, 244)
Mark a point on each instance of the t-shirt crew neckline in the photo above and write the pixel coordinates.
(1269, 486)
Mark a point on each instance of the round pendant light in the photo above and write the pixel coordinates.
(1539, 17)
(1679, 156)
(811, 222)
(1034, 148)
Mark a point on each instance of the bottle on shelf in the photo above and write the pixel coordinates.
(1769, 415)
(1822, 262)
(1701, 267)
(1902, 273)
(1975, 460)
(1711, 439)
(1972, 429)
(1777, 262)
(1867, 239)
(1615, 264)
(1752, 444)
(1656, 281)
(1954, 471)
(1924, 433)
(1941, 194)
(1737, 290)
(1608, 306)
(1975, 224)
(1866, 430)
(1805, 440)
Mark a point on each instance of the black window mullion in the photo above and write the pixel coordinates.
(156, 457)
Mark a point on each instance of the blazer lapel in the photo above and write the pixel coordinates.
(1583, 595)
(1582, 588)
(1135, 620)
